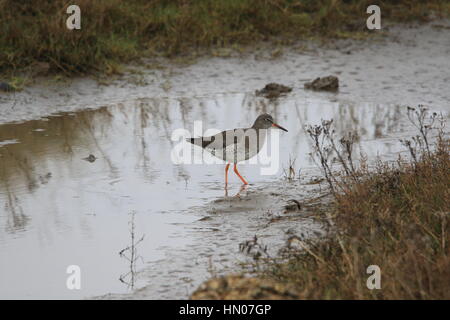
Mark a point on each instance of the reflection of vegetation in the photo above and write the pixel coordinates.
(40, 139)
(114, 31)
(395, 217)
(130, 254)
(24, 164)
(16, 220)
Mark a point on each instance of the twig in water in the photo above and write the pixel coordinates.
(130, 254)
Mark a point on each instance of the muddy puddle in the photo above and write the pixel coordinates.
(59, 209)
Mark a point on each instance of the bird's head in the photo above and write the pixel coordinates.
(265, 121)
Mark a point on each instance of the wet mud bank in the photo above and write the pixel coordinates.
(406, 64)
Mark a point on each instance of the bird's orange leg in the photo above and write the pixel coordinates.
(226, 174)
(239, 175)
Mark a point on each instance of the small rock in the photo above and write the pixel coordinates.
(329, 83)
(290, 231)
(273, 90)
(294, 206)
(91, 158)
(46, 178)
(4, 86)
(234, 287)
(295, 243)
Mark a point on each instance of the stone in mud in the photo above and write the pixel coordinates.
(237, 287)
(294, 205)
(91, 158)
(329, 83)
(4, 86)
(273, 90)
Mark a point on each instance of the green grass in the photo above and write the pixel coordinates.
(115, 32)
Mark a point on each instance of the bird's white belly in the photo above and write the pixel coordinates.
(235, 154)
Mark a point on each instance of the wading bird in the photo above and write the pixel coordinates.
(237, 145)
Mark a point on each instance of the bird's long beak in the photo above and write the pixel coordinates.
(278, 126)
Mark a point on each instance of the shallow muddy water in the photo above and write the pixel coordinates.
(58, 209)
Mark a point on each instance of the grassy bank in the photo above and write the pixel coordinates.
(113, 31)
(393, 215)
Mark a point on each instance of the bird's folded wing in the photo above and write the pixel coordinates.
(220, 140)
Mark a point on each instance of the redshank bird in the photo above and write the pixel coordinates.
(237, 145)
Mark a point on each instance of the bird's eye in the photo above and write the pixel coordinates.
(267, 119)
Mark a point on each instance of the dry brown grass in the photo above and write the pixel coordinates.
(397, 217)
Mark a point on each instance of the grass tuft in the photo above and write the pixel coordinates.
(114, 31)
